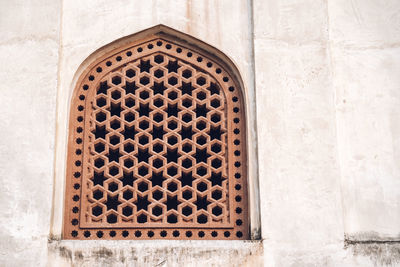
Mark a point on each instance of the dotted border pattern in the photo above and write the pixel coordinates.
(236, 149)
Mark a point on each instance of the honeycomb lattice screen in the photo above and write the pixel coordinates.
(157, 147)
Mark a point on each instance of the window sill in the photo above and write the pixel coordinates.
(153, 252)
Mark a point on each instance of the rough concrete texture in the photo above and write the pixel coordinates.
(28, 74)
(160, 253)
(326, 99)
(365, 52)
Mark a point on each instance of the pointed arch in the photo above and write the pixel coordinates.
(157, 143)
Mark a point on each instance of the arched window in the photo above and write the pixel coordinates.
(157, 146)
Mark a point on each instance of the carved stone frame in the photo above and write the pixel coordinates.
(226, 63)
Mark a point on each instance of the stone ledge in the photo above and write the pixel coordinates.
(154, 252)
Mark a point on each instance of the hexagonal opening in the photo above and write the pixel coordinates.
(172, 125)
(187, 103)
(158, 73)
(158, 163)
(113, 171)
(116, 95)
(116, 80)
(172, 171)
(114, 140)
(130, 73)
(187, 147)
(187, 163)
(99, 147)
(201, 95)
(187, 117)
(201, 125)
(216, 148)
(201, 81)
(216, 194)
(144, 80)
(201, 171)
(99, 163)
(143, 140)
(187, 211)
(157, 195)
(172, 95)
(97, 194)
(158, 117)
(158, 102)
(215, 118)
(111, 218)
(158, 147)
(127, 211)
(202, 186)
(142, 218)
(113, 187)
(187, 194)
(144, 125)
(144, 95)
(129, 117)
(143, 171)
(201, 140)
(217, 211)
(159, 59)
(172, 140)
(128, 147)
(172, 81)
(142, 186)
(157, 211)
(215, 103)
(172, 218)
(129, 102)
(187, 74)
(101, 116)
(128, 195)
(202, 219)
(216, 163)
(115, 124)
(101, 102)
(97, 210)
(128, 163)
(172, 187)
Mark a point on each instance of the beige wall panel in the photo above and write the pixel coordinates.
(28, 74)
(365, 42)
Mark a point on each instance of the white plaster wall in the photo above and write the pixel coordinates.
(327, 98)
(327, 87)
(28, 74)
(299, 173)
(365, 45)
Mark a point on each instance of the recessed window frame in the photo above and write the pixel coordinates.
(227, 64)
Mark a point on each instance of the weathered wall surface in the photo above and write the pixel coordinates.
(155, 253)
(28, 73)
(327, 93)
(365, 49)
(299, 172)
(327, 101)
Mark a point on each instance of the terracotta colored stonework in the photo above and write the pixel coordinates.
(157, 147)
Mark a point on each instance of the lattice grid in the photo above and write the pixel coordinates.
(157, 149)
